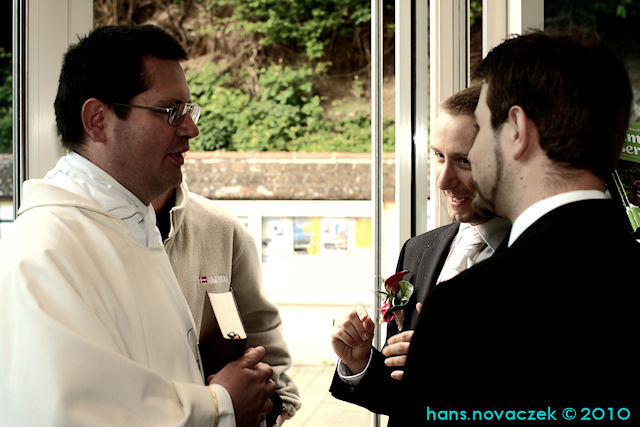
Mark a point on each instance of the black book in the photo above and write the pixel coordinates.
(222, 335)
(624, 184)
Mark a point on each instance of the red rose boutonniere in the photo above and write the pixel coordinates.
(397, 293)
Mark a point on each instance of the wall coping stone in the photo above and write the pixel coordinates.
(269, 175)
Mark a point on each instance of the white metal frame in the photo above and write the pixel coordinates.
(377, 31)
(449, 61)
(412, 133)
(404, 120)
(503, 18)
(50, 28)
(421, 120)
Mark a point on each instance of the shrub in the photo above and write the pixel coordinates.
(221, 108)
(284, 109)
(6, 109)
(285, 114)
(308, 26)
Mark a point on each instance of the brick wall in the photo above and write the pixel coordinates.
(271, 175)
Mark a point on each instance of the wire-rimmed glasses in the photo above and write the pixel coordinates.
(175, 114)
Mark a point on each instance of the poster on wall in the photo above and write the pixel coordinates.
(305, 235)
(277, 237)
(290, 236)
(626, 177)
(335, 234)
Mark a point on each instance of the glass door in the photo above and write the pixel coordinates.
(6, 119)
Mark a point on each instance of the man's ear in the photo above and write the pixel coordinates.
(525, 132)
(93, 119)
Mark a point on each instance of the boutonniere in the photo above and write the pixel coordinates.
(397, 293)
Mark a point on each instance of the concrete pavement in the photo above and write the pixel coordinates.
(319, 408)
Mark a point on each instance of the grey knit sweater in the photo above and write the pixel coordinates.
(210, 249)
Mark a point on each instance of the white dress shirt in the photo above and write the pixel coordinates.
(492, 232)
(544, 206)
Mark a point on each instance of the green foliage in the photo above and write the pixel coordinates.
(285, 114)
(255, 101)
(284, 109)
(619, 7)
(475, 11)
(588, 13)
(348, 128)
(305, 25)
(616, 21)
(221, 106)
(6, 110)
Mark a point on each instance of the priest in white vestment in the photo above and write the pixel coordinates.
(95, 329)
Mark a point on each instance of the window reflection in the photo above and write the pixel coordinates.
(616, 22)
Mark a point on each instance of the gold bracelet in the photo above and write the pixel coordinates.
(216, 411)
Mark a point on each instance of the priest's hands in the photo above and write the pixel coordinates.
(282, 418)
(397, 349)
(248, 382)
(351, 339)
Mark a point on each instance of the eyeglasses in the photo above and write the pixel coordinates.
(175, 114)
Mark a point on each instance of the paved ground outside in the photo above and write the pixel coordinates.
(319, 408)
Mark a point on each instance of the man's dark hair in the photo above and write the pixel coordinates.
(462, 103)
(572, 86)
(107, 65)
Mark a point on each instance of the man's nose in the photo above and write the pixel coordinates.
(447, 177)
(188, 127)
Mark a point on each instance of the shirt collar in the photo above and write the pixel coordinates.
(178, 211)
(79, 175)
(544, 206)
(492, 232)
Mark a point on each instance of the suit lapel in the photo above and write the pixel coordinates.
(430, 263)
(433, 257)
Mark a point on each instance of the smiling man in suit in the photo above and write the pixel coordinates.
(432, 257)
(429, 258)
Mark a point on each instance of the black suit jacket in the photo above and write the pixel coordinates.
(423, 256)
(550, 322)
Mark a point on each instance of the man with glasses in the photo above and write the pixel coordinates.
(95, 328)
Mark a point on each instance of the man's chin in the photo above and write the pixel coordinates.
(471, 217)
(482, 208)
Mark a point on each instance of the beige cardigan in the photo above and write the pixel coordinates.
(208, 247)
